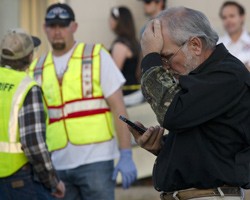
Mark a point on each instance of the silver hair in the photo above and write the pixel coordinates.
(184, 23)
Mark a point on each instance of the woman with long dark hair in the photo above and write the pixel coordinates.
(125, 51)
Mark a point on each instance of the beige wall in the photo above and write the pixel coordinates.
(211, 9)
(92, 16)
(8, 21)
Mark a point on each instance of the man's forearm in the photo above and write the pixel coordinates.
(149, 61)
(117, 107)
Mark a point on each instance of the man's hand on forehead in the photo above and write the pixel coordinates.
(152, 40)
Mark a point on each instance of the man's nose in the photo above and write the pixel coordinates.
(57, 29)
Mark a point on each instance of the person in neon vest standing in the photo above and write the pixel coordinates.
(26, 170)
(82, 89)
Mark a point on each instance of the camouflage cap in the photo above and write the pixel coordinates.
(159, 88)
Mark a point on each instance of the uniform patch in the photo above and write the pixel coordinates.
(17, 184)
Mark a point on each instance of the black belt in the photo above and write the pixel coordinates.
(198, 193)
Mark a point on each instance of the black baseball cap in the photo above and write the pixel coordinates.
(149, 1)
(59, 13)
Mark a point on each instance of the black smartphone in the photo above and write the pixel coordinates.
(133, 125)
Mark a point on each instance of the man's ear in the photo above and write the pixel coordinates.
(196, 45)
(73, 27)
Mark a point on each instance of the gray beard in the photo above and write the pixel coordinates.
(190, 63)
(58, 46)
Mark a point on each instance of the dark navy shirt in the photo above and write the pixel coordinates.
(209, 126)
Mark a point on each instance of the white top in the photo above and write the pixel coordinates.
(240, 49)
(73, 156)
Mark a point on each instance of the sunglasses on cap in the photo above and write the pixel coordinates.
(58, 13)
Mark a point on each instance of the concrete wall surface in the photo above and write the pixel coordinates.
(211, 9)
(92, 16)
(9, 14)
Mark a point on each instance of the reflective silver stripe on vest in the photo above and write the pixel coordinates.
(13, 146)
(17, 98)
(39, 69)
(88, 49)
(86, 105)
(87, 71)
(10, 147)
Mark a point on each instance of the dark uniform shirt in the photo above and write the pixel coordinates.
(208, 144)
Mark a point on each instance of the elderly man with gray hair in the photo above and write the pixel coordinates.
(200, 93)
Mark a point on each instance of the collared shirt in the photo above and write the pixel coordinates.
(208, 145)
(240, 48)
(32, 124)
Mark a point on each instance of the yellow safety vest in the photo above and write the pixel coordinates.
(14, 87)
(77, 109)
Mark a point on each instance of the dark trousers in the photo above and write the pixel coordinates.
(21, 185)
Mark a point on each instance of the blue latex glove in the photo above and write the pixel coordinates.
(127, 168)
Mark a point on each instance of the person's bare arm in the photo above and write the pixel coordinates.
(117, 106)
(120, 53)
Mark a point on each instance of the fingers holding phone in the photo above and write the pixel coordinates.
(150, 140)
(137, 134)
